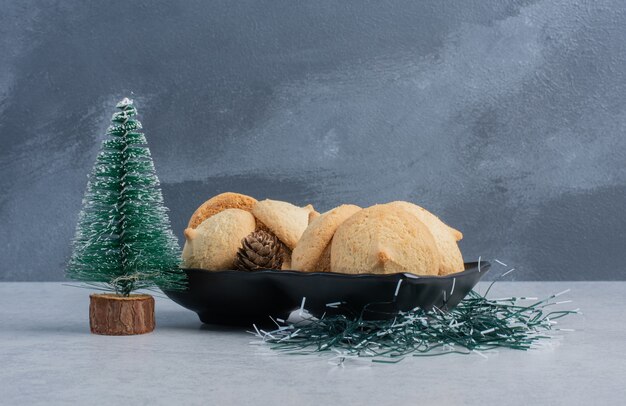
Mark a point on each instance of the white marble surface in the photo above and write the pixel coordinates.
(48, 356)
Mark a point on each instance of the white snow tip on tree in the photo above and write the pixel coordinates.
(125, 102)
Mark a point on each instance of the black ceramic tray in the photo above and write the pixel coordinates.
(243, 298)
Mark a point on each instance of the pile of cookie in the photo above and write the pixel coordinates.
(235, 231)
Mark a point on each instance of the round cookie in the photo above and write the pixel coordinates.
(286, 260)
(313, 215)
(285, 220)
(214, 243)
(384, 239)
(323, 263)
(317, 236)
(219, 203)
(445, 237)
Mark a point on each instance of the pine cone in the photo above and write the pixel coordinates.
(260, 250)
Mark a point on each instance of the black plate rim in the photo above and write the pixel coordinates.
(357, 289)
(471, 268)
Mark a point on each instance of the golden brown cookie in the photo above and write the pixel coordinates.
(286, 259)
(219, 203)
(323, 262)
(384, 239)
(445, 237)
(313, 215)
(317, 236)
(214, 243)
(285, 220)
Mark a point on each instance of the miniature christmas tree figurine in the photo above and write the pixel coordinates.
(123, 240)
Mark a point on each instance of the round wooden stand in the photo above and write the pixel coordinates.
(115, 315)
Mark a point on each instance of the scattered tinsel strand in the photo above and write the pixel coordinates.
(477, 324)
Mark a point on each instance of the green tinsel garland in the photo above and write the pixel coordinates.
(477, 324)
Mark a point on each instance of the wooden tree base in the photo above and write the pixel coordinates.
(116, 315)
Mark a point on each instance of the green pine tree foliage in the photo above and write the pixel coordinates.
(124, 240)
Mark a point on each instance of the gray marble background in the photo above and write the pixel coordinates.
(506, 118)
